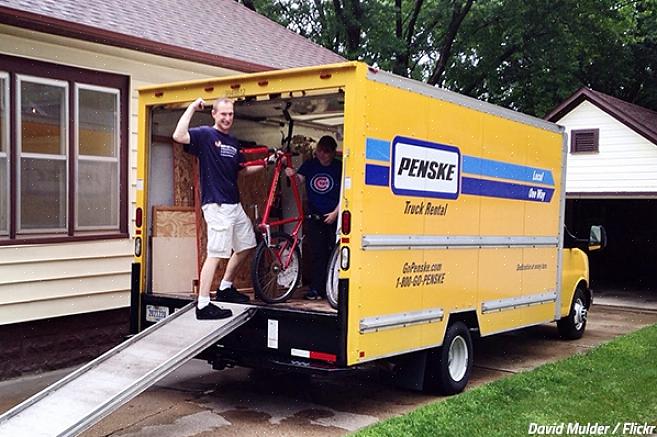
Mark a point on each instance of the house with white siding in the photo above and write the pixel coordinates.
(611, 179)
(69, 74)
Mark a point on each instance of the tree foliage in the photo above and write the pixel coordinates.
(525, 54)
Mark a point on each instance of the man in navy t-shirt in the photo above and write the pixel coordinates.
(229, 230)
(322, 176)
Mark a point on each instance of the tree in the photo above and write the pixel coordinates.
(530, 54)
(524, 54)
(249, 4)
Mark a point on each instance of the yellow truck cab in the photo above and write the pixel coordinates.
(451, 217)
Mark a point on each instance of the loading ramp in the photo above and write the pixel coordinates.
(84, 397)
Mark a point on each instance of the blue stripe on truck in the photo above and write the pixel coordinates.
(377, 175)
(377, 150)
(505, 170)
(505, 190)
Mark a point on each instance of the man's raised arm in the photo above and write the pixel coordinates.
(181, 134)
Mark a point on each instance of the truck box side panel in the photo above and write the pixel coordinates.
(455, 209)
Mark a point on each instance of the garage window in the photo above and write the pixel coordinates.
(63, 153)
(584, 140)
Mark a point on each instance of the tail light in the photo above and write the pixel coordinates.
(345, 222)
(139, 217)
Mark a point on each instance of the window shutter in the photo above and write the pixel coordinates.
(584, 140)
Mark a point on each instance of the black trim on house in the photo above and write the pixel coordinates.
(612, 195)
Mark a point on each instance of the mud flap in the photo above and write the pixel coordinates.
(409, 370)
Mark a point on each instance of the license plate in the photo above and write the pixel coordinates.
(156, 313)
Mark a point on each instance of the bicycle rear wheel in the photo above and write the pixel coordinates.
(332, 273)
(272, 281)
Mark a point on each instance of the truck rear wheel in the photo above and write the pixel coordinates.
(449, 366)
(573, 326)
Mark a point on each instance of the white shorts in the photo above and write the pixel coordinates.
(229, 228)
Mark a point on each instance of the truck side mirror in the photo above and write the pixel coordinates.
(597, 238)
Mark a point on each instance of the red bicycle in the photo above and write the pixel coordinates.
(276, 267)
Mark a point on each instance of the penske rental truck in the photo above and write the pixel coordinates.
(451, 223)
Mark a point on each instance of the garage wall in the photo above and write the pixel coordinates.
(626, 161)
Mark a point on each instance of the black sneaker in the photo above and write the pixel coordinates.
(212, 312)
(231, 295)
(312, 295)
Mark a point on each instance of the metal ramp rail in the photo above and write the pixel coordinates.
(77, 401)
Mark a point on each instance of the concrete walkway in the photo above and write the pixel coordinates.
(639, 299)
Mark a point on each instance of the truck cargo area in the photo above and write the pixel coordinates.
(175, 226)
(175, 240)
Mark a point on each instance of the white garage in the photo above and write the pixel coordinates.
(612, 180)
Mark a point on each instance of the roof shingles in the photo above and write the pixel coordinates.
(640, 119)
(224, 29)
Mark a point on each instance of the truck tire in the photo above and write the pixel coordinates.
(332, 273)
(448, 367)
(272, 282)
(573, 326)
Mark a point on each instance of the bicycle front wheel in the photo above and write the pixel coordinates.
(276, 268)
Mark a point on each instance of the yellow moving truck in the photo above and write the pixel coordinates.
(452, 226)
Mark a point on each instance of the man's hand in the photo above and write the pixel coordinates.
(331, 217)
(289, 171)
(198, 104)
(271, 159)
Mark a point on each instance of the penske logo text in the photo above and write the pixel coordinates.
(420, 168)
(425, 169)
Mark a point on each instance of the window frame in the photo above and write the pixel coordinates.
(4, 105)
(12, 67)
(20, 78)
(117, 151)
(596, 140)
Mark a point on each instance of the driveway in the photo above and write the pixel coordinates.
(196, 401)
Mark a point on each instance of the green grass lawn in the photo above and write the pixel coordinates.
(613, 383)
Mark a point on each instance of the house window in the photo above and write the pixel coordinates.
(97, 194)
(42, 145)
(584, 140)
(63, 153)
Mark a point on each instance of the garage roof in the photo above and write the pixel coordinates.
(640, 119)
(222, 33)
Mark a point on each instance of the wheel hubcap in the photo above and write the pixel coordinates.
(458, 358)
(580, 314)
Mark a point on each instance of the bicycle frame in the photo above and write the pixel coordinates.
(283, 160)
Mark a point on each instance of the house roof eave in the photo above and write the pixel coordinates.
(586, 94)
(42, 23)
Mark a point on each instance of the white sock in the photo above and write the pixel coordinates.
(225, 284)
(203, 301)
